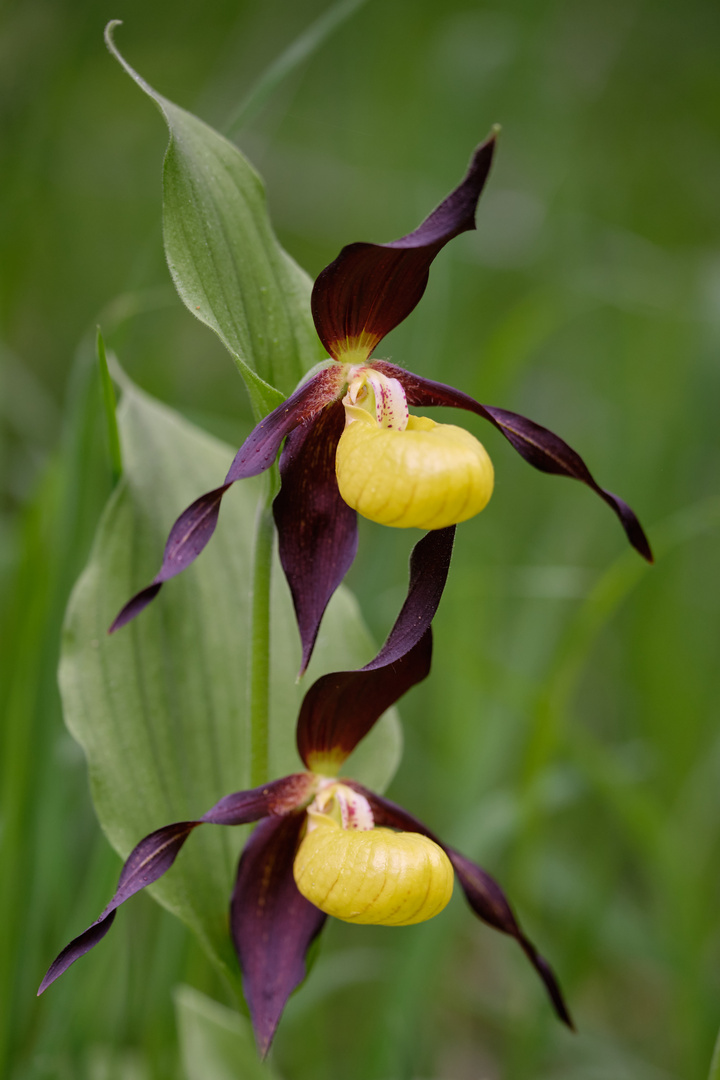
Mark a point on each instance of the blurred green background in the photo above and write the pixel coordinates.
(568, 738)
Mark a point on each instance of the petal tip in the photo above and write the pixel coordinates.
(51, 975)
(645, 550)
(308, 647)
(263, 1044)
(134, 606)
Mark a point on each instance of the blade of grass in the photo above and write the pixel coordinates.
(714, 1073)
(572, 654)
(300, 50)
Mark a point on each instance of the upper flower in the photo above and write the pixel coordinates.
(327, 845)
(350, 442)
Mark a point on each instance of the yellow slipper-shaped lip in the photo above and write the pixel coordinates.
(372, 875)
(428, 476)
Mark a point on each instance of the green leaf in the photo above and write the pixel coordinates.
(215, 1042)
(160, 707)
(225, 260)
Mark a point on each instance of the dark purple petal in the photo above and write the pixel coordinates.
(274, 799)
(429, 568)
(187, 538)
(489, 902)
(260, 448)
(339, 709)
(370, 288)
(146, 863)
(272, 924)
(540, 447)
(484, 895)
(317, 530)
(156, 853)
(195, 526)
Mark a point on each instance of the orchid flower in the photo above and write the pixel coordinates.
(350, 443)
(325, 844)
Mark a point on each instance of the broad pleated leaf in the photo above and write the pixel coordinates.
(225, 260)
(160, 708)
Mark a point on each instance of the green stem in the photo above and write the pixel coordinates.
(259, 682)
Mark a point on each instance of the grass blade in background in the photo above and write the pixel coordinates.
(714, 1073)
(300, 50)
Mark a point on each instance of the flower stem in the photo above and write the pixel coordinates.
(259, 681)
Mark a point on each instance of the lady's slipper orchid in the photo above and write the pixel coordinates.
(327, 845)
(350, 443)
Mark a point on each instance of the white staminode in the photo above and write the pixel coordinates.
(384, 398)
(349, 808)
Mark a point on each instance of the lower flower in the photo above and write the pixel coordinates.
(325, 845)
(300, 865)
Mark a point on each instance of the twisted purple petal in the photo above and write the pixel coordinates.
(484, 895)
(156, 853)
(540, 447)
(147, 862)
(195, 526)
(489, 903)
(370, 288)
(339, 709)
